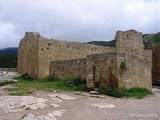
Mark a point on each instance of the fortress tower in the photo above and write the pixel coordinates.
(126, 65)
(129, 42)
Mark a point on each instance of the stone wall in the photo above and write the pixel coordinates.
(54, 50)
(137, 61)
(36, 52)
(129, 41)
(134, 71)
(28, 59)
(129, 66)
(75, 68)
(101, 70)
(107, 70)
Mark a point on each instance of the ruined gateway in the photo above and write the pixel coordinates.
(126, 65)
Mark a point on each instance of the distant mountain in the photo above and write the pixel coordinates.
(148, 39)
(10, 50)
(111, 43)
(154, 38)
(151, 40)
(8, 57)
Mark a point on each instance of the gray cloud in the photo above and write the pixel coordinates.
(75, 20)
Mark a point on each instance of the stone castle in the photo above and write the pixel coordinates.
(126, 65)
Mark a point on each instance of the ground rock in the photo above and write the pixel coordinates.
(62, 96)
(19, 103)
(49, 116)
(94, 92)
(103, 105)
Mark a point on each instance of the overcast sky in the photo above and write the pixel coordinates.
(75, 20)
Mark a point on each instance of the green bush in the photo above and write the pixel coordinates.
(122, 92)
(137, 92)
(114, 92)
(73, 81)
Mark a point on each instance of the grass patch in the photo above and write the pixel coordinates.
(5, 82)
(51, 83)
(68, 83)
(122, 92)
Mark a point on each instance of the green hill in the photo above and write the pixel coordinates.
(111, 43)
(8, 57)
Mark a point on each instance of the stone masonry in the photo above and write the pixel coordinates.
(127, 65)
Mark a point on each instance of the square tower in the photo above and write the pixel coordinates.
(130, 41)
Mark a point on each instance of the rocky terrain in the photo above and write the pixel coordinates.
(4, 75)
(60, 105)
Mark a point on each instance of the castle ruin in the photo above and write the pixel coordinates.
(126, 65)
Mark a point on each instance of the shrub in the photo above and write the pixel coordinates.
(137, 92)
(122, 92)
(114, 92)
(73, 81)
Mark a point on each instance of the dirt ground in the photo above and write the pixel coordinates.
(61, 105)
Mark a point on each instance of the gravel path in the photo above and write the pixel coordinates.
(69, 106)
